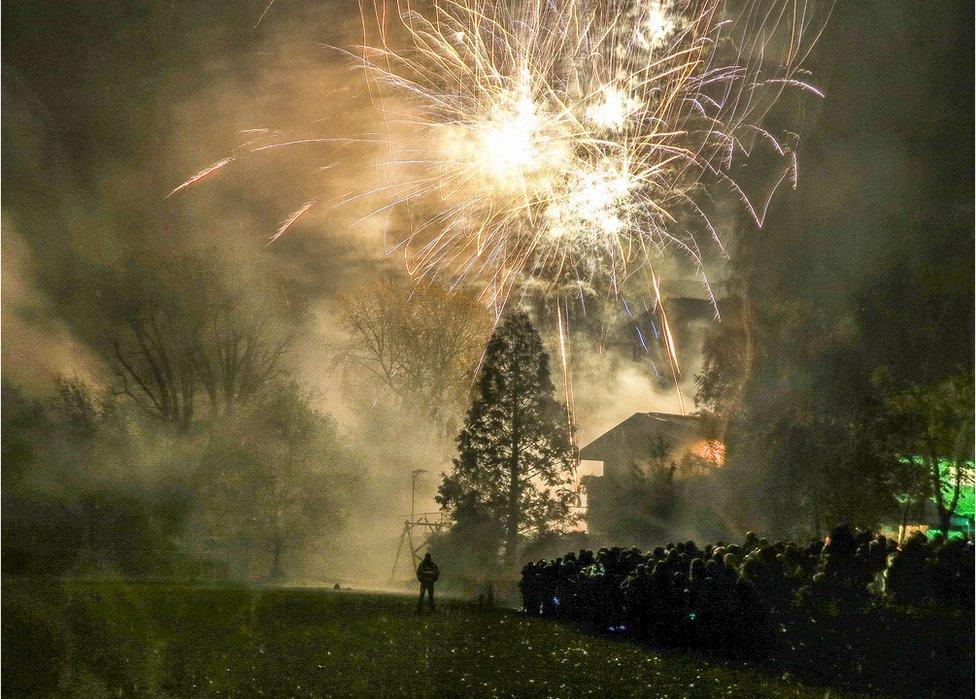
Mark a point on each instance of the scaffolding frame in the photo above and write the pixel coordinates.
(423, 527)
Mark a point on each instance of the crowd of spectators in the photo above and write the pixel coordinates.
(734, 598)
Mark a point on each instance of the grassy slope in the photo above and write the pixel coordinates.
(94, 639)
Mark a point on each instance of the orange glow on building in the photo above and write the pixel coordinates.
(710, 449)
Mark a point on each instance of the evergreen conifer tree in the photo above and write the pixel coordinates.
(515, 453)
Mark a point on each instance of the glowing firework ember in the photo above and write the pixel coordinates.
(565, 140)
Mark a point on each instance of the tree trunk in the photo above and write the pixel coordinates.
(906, 510)
(511, 531)
(943, 511)
(514, 488)
(945, 519)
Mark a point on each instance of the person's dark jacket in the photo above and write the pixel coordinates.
(428, 572)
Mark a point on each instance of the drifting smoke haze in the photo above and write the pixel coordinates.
(110, 106)
(101, 125)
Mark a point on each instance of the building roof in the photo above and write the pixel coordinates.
(639, 434)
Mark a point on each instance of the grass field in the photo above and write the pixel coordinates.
(111, 639)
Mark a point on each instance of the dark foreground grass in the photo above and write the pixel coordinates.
(138, 639)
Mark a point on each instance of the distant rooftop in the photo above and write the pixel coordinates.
(638, 435)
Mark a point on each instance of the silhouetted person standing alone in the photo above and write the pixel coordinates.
(427, 574)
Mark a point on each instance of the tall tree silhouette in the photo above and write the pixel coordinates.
(515, 455)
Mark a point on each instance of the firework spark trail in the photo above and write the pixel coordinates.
(291, 220)
(203, 174)
(563, 329)
(268, 7)
(669, 345)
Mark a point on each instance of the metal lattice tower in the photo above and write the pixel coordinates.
(418, 529)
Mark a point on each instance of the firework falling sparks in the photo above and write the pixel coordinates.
(668, 340)
(567, 375)
(574, 140)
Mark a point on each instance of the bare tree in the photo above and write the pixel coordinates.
(154, 359)
(244, 343)
(189, 327)
(423, 343)
(75, 406)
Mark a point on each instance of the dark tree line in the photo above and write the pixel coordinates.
(819, 432)
(195, 452)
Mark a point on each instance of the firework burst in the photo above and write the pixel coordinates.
(559, 143)
(560, 140)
